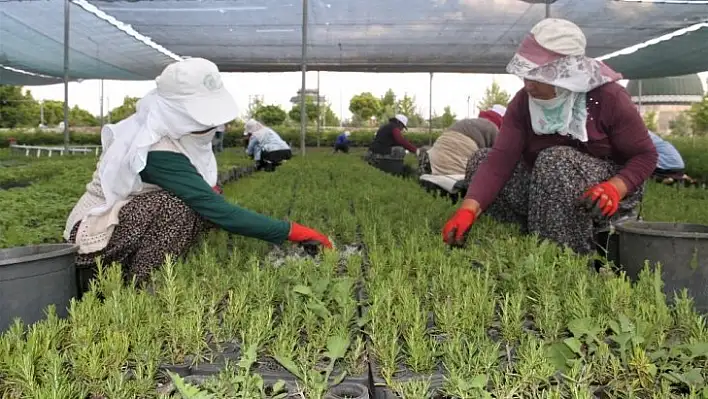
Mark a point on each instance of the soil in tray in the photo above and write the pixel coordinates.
(269, 366)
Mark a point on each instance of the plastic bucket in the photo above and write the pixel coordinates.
(682, 250)
(34, 277)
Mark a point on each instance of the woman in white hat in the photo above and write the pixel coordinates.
(572, 152)
(155, 187)
(452, 150)
(389, 142)
(265, 146)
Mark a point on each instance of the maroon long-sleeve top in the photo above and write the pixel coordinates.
(616, 131)
(400, 140)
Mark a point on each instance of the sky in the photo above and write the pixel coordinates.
(338, 87)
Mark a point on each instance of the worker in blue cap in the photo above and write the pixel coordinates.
(669, 166)
(342, 143)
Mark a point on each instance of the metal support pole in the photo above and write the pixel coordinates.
(319, 110)
(41, 113)
(67, 7)
(430, 111)
(548, 9)
(101, 102)
(639, 102)
(303, 109)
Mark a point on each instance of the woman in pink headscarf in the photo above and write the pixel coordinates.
(572, 151)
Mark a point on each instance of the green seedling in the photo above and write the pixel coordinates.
(316, 382)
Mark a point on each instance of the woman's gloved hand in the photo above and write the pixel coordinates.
(603, 198)
(300, 233)
(217, 189)
(455, 231)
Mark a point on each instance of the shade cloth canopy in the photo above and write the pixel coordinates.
(365, 35)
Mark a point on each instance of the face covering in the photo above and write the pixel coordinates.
(202, 138)
(566, 114)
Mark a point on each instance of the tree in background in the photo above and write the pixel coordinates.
(448, 118)
(271, 115)
(364, 106)
(681, 125)
(81, 117)
(408, 107)
(124, 110)
(329, 118)
(493, 95)
(445, 120)
(254, 103)
(311, 110)
(699, 117)
(17, 108)
(388, 106)
(650, 121)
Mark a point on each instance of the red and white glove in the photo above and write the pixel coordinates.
(217, 189)
(604, 197)
(300, 233)
(457, 227)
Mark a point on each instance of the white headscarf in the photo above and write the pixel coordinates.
(126, 145)
(257, 129)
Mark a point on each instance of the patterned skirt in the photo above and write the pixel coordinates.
(424, 167)
(544, 200)
(151, 226)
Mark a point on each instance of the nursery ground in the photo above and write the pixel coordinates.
(506, 317)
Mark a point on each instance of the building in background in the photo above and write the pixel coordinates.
(309, 94)
(666, 97)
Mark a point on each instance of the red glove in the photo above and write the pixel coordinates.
(300, 233)
(457, 227)
(217, 189)
(603, 197)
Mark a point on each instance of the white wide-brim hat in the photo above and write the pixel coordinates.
(196, 84)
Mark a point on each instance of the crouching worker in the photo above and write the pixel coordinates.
(155, 187)
(669, 166)
(218, 142)
(451, 151)
(572, 152)
(388, 149)
(266, 147)
(342, 143)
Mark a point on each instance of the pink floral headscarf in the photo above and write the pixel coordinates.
(554, 53)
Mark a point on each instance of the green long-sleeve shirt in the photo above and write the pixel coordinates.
(175, 173)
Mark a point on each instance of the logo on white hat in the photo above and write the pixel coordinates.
(212, 82)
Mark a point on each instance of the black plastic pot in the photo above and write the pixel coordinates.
(207, 368)
(348, 390)
(270, 382)
(381, 390)
(34, 277)
(182, 370)
(682, 250)
(14, 184)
